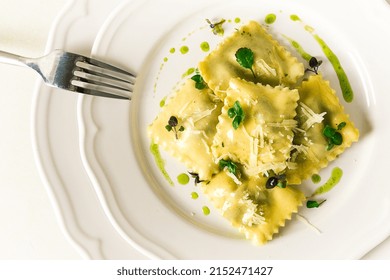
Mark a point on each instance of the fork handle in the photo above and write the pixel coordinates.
(10, 58)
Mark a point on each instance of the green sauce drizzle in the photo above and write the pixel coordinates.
(194, 195)
(316, 178)
(160, 162)
(206, 210)
(184, 49)
(334, 179)
(237, 20)
(204, 46)
(183, 179)
(270, 18)
(341, 75)
(165, 59)
(306, 56)
(172, 50)
(188, 72)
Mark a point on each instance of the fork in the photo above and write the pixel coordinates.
(77, 73)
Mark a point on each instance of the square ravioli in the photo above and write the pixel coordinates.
(189, 135)
(263, 141)
(318, 108)
(254, 210)
(272, 63)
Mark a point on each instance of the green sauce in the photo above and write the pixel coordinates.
(165, 59)
(206, 210)
(341, 75)
(194, 195)
(334, 179)
(188, 72)
(306, 56)
(183, 179)
(270, 18)
(162, 102)
(295, 18)
(204, 46)
(237, 20)
(316, 178)
(172, 50)
(184, 49)
(160, 162)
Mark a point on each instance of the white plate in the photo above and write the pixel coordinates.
(56, 145)
(162, 221)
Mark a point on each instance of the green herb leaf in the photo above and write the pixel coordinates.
(314, 204)
(333, 136)
(172, 124)
(341, 125)
(231, 166)
(245, 57)
(237, 114)
(199, 82)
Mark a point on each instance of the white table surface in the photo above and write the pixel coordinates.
(29, 229)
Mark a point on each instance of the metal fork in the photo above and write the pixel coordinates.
(77, 73)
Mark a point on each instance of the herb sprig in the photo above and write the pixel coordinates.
(229, 165)
(314, 64)
(172, 126)
(237, 114)
(199, 81)
(217, 27)
(333, 135)
(245, 58)
(278, 180)
(314, 203)
(196, 177)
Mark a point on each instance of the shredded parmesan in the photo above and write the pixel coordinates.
(265, 68)
(306, 222)
(312, 118)
(286, 124)
(200, 115)
(252, 215)
(234, 177)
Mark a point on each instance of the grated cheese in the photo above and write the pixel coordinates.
(312, 118)
(265, 68)
(252, 215)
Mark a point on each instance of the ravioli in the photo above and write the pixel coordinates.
(197, 112)
(263, 141)
(273, 64)
(255, 211)
(318, 101)
(275, 130)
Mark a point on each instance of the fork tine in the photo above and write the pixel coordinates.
(100, 90)
(102, 68)
(102, 80)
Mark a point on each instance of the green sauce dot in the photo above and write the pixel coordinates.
(237, 20)
(165, 59)
(184, 49)
(172, 50)
(205, 46)
(206, 210)
(162, 102)
(194, 195)
(295, 18)
(316, 178)
(183, 179)
(270, 18)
